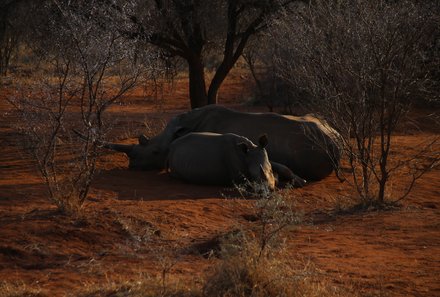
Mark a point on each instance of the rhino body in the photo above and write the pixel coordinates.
(219, 159)
(306, 145)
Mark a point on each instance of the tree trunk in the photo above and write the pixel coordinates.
(197, 86)
(217, 81)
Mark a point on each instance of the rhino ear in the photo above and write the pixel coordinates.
(263, 141)
(143, 140)
(243, 147)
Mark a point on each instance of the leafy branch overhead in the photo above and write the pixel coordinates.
(193, 30)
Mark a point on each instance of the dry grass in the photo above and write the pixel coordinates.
(143, 287)
(8, 289)
(247, 274)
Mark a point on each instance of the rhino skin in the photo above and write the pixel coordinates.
(307, 145)
(219, 159)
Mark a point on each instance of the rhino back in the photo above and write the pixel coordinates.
(297, 142)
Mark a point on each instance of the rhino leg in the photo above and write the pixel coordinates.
(286, 175)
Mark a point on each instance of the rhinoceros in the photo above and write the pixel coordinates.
(306, 145)
(219, 159)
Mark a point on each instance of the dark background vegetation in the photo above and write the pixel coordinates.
(201, 37)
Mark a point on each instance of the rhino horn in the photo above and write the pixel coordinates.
(123, 148)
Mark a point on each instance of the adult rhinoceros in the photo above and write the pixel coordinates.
(306, 145)
(219, 159)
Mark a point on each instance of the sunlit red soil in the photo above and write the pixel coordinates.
(134, 222)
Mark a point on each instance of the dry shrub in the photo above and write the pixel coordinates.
(84, 68)
(273, 213)
(363, 64)
(66, 167)
(246, 274)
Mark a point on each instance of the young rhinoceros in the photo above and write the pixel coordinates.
(219, 159)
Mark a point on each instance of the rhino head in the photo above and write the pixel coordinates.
(147, 155)
(258, 166)
(151, 153)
